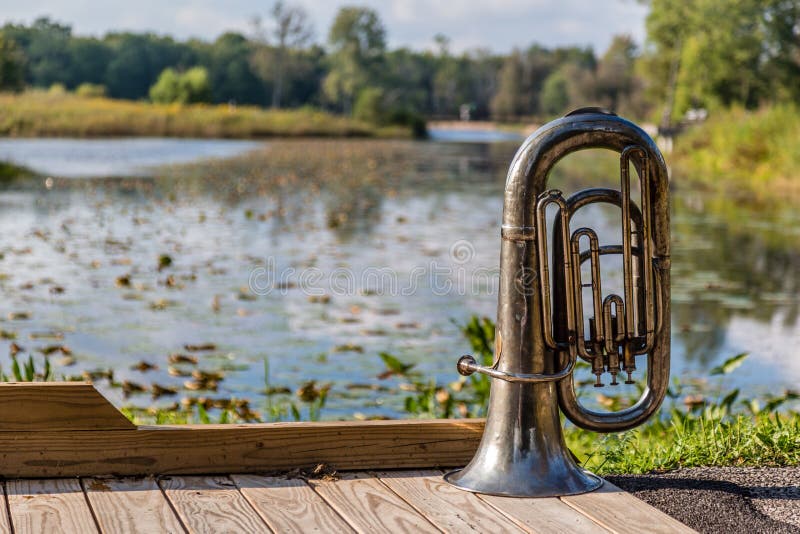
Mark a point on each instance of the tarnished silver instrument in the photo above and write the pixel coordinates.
(541, 321)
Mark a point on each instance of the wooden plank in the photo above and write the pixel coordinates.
(211, 504)
(545, 516)
(125, 505)
(369, 506)
(49, 506)
(447, 507)
(54, 406)
(5, 522)
(623, 513)
(289, 505)
(212, 449)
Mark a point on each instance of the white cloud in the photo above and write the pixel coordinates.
(197, 20)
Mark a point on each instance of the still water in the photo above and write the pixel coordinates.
(82, 158)
(315, 256)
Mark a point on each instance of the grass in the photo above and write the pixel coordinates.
(692, 441)
(39, 113)
(752, 155)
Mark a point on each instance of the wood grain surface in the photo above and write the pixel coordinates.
(49, 506)
(128, 505)
(447, 507)
(54, 406)
(212, 504)
(369, 506)
(5, 521)
(385, 501)
(548, 515)
(212, 449)
(289, 505)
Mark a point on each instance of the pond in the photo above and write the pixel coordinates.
(303, 260)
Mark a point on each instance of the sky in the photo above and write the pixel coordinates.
(498, 25)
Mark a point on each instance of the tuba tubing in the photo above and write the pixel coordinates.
(527, 179)
(522, 452)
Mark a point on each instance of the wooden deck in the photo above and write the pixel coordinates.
(70, 462)
(381, 501)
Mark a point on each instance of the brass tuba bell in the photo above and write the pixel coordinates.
(541, 324)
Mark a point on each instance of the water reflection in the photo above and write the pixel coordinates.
(355, 206)
(729, 266)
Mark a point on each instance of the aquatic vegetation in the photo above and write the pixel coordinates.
(10, 172)
(144, 366)
(198, 347)
(182, 358)
(348, 347)
(27, 372)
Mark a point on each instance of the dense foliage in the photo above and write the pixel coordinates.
(713, 53)
(188, 87)
(707, 54)
(718, 53)
(753, 155)
(285, 71)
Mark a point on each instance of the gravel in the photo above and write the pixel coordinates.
(723, 499)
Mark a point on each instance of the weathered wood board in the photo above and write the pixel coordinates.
(209, 449)
(33, 406)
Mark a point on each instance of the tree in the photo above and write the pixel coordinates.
(44, 44)
(508, 100)
(571, 86)
(12, 66)
(357, 40)
(407, 80)
(717, 53)
(291, 31)
(138, 60)
(782, 68)
(232, 78)
(554, 98)
(539, 62)
(369, 105)
(189, 87)
(615, 77)
(89, 59)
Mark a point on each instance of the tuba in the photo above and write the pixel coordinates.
(542, 326)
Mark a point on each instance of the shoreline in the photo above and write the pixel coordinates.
(524, 129)
(44, 115)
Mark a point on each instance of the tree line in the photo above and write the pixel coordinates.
(697, 54)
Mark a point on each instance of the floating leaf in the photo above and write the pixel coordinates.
(164, 261)
(349, 347)
(182, 358)
(200, 347)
